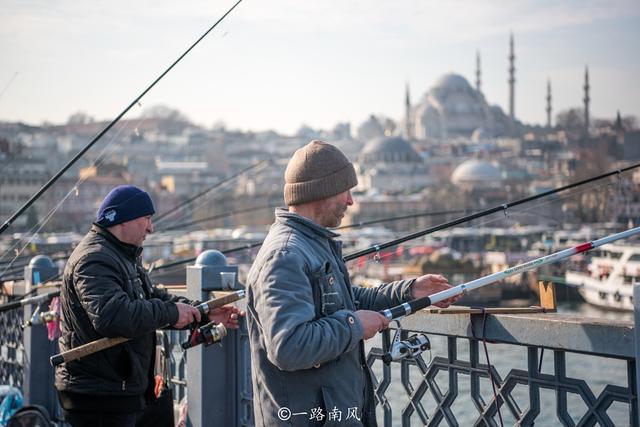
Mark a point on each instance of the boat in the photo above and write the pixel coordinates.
(612, 271)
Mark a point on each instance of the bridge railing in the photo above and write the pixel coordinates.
(548, 369)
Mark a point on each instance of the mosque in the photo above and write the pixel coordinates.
(453, 108)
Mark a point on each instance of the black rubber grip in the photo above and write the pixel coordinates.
(401, 310)
(56, 360)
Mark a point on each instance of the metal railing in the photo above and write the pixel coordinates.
(548, 369)
(453, 388)
(11, 348)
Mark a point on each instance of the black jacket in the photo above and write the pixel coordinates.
(107, 293)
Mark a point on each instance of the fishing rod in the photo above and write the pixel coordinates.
(253, 245)
(46, 186)
(500, 208)
(206, 191)
(377, 248)
(215, 217)
(407, 308)
(397, 218)
(20, 267)
(108, 342)
(38, 299)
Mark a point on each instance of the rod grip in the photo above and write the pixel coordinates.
(406, 308)
(86, 349)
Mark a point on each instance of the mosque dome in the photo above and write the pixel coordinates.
(389, 150)
(477, 173)
(452, 82)
(450, 108)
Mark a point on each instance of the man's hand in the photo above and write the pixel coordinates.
(372, 322)
(430, 284)
(187, 314)
(228, 315)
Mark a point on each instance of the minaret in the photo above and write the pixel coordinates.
(548, 103)
(586, 98)
(618, 124)
(407, 114)
(478, 72)
(512, 79)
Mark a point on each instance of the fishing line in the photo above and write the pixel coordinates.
(108, 149)
(8, 84)
(163, 216)
(501, 208)
(382, 256)
(37, 195)
(379, 255)
(182, 225)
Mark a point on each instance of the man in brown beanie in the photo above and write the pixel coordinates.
(307, 323)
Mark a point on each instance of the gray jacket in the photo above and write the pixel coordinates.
(307, 347)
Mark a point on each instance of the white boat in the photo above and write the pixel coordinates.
(613, 270)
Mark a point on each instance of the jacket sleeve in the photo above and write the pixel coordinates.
(162, 294)
(111, 311)
(284, 308)
(384, 296)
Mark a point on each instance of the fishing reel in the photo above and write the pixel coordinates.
(208, 334)
(406, 349)
(41, 317)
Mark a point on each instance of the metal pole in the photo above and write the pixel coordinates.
(636, 315)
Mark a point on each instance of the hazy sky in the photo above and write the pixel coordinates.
(277, 64)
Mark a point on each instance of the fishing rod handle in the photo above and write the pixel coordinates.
(207, 306)
(406, 308)
(104, 343)
(86, 349)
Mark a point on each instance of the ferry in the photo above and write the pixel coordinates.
(612, 271)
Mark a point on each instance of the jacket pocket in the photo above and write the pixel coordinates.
(330, 291)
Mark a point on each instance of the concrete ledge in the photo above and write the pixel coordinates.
(554, 331)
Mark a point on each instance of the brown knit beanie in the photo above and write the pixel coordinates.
(317, 171)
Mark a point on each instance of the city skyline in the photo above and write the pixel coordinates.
(284, 64)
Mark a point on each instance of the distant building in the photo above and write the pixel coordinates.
(390, 165)
(20, 178)
(453, 108)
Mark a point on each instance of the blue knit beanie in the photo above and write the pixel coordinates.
(124, 203)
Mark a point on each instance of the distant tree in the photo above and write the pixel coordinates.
(572, 119)
(165, 113)
(80, 118)
(630, 122)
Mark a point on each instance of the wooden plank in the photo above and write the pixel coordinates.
(547, 295)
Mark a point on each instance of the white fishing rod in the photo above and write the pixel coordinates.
(420, 303)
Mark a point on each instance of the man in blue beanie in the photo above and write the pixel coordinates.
(107, 293)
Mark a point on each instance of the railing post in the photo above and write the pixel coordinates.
(215, 374)
(38, 376)
(636, 312)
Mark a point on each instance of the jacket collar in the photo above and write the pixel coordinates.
(305, 225)
(129, 250)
